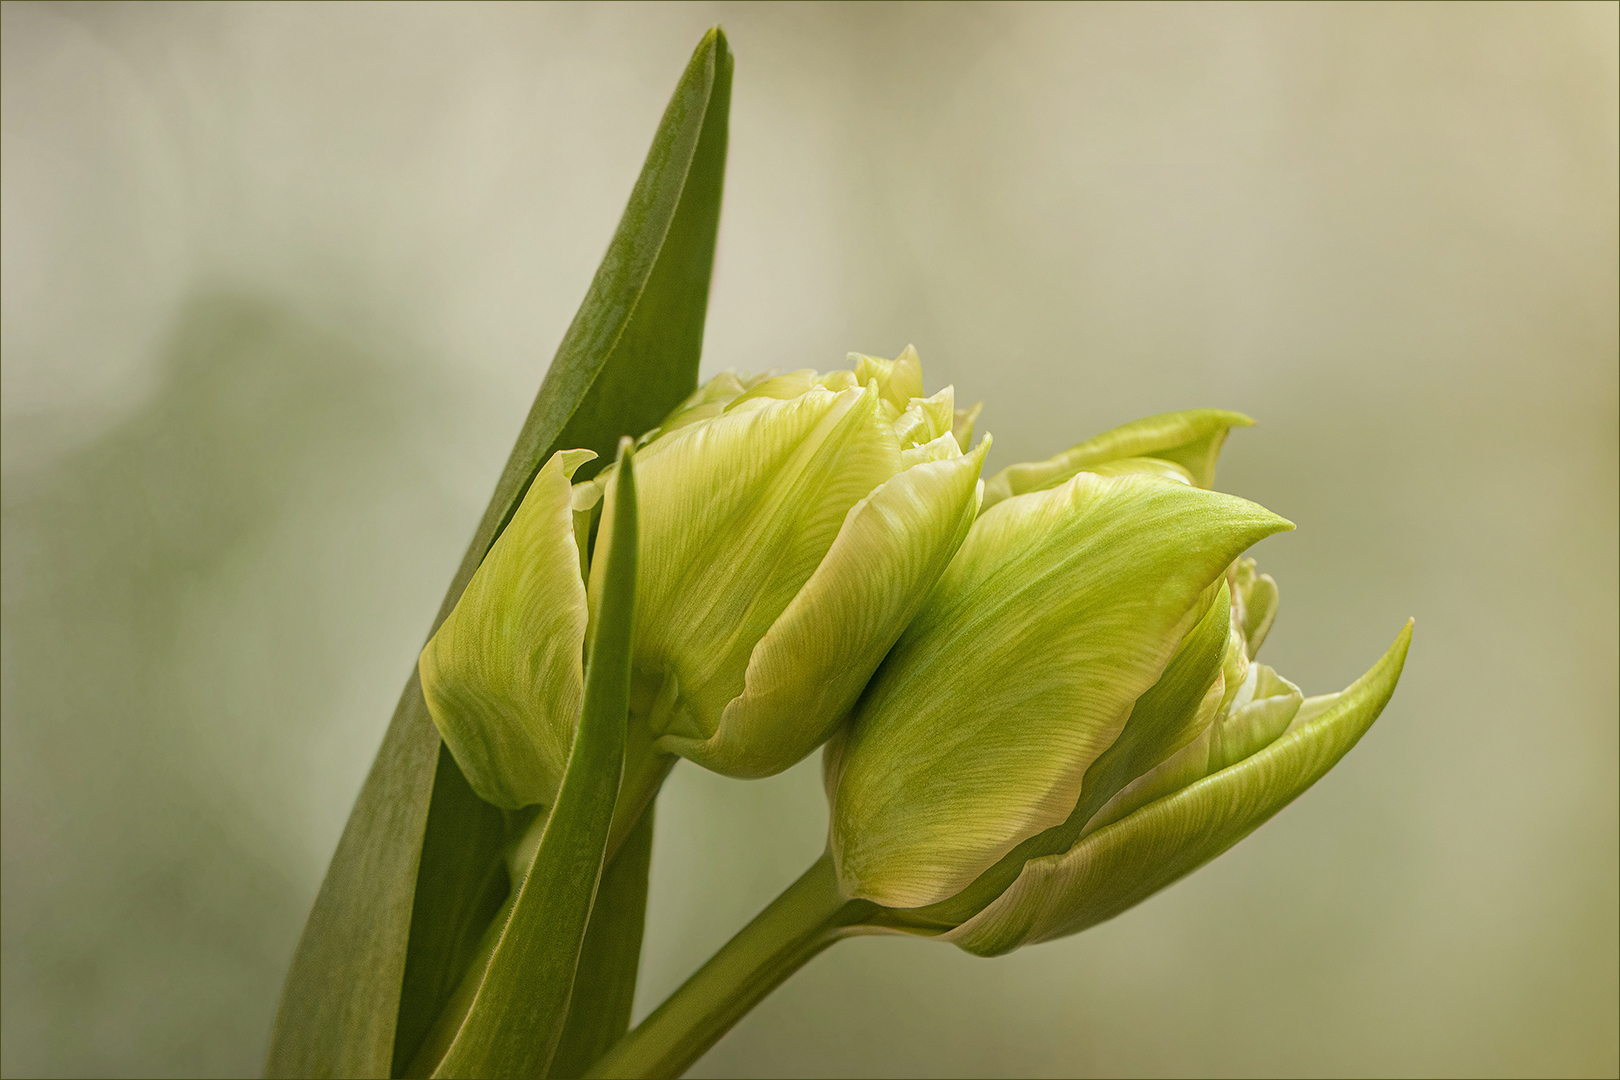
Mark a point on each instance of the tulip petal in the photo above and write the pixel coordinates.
(1147, 466)
(1261, 715)
(1020, 669)
(941, 449)
(736, 515)
(1123, 864)
(504, 673)
(1173, 712)
(838, 380)
(708, 400)
(1191, 439)
(898, 380)
(816, 659)
(1250, 718)
(777, 388)
(586, 502)
(1254, 600)
(926, 419)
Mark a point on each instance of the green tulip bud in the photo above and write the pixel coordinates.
(790, 525)
(1075, 719)
(786, 540)
(1062, 608)
(1186, 811)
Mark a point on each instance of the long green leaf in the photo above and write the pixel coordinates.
(462, 884)
(629, 356)
(605, 987)
(516, 1018)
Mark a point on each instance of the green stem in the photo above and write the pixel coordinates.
(809, 916)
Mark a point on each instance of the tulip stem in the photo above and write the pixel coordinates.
(810, 915)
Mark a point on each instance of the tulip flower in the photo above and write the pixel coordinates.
(790, 527)
(1062, 608)
(1074, 719)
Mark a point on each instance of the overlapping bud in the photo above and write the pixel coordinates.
(1075, 718)
(790, 526)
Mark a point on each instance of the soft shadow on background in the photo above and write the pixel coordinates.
(280, 281)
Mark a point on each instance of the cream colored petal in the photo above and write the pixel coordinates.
(1246, 721)
(1059, 610)
(1254, 603)
(906, 381)
(1117, 867)
(1261, 715)
(898, 380)
(807, 671)
(504, 673)
(926, 419)
(940, 449)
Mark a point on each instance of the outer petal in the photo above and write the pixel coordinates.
(777, 387)
(1172, 713)
(736, 514)
(1021, 668)
(807, 671)
(1191, 439)
(1121, 865)
(504, 673)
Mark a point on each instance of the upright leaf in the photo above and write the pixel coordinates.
(517, 1016)
(605, 987)
(630, 355)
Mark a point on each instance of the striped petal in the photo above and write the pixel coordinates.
(1124, 863)
(807, 671)
(736, 515)
(1020, 669)
(503, 675)
(1190, 439)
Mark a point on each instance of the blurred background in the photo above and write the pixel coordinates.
(280, 282)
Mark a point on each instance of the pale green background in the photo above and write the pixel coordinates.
(280, 281)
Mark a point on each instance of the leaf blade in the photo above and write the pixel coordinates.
(605, 986)
(517, 1016)
(342, 997)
